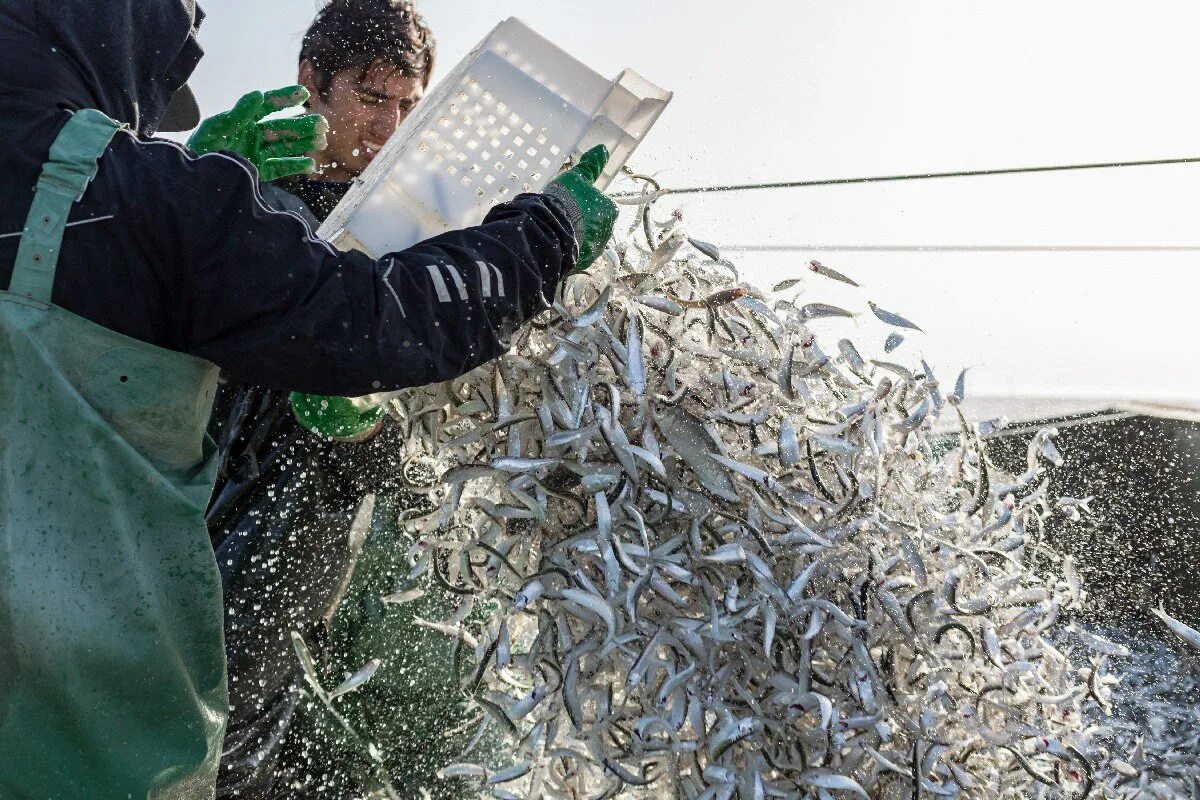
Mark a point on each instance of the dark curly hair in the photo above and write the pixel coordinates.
(364, 33)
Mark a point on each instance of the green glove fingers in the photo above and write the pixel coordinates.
(279, 99)
(311, 129)
(247, 109)
(286, 143)
(275, 147)
(310, 126)
(336, 417)
(286, 149)
(593, 162)
(597, 214)
(217, 132)
(275, 168)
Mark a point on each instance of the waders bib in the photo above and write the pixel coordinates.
(112, 664)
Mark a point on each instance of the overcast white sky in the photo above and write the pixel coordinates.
(798, 89)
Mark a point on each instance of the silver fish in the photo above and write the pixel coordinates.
(403, 598)
(358, 679)
(710, 250)
(821, 269)
(1184, 632)
(888, 318)
(823, 311)
(663, 304)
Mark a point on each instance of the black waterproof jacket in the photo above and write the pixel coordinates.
(183, 253)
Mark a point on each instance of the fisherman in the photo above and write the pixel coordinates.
(134, 271)
(295, 470)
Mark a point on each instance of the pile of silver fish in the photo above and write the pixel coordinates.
(704, 553)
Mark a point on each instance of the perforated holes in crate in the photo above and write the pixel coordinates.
(488, 146)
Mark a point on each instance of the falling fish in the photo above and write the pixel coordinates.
(831, 782)
(663, 304)
(694, 556)
(462, 771)
(821, 269)
(1185, 632)
(513, 773)
(358, 679)
(789, 445)
(823, 311)
(403, 598)
(960, 389)
(710, 250)
(888, 318)
(305, 657)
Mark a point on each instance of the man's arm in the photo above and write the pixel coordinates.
(272, 305)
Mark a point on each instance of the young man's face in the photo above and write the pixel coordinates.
(363, 109)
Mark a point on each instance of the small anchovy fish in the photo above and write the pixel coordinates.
(510, 774)
(710, 250)
(524, 464)
(462, 771)
(960, 389)
(716, 299)
(821, 269)
(1185, 632)
(358, 679)
(663, 304)
(789, 445)
(823, 311)
(895, 320)
(893, 343)
(832, 782)
(635, 365)
(528, 595)
(851, 355)
(305, 657)
(403, 598)
(593, 314)
(665, 252)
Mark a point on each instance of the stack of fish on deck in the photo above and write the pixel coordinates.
(716, 561)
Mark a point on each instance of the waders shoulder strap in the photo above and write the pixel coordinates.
(74, 162)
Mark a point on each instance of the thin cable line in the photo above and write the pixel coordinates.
(958, 248)
(921, 176)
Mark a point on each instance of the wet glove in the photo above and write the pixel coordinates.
(336, 417)
(276, 147)
(593, 214)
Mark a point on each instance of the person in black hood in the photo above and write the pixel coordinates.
(159, 267)
(129, 59)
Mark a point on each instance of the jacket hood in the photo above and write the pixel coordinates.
(126, 58)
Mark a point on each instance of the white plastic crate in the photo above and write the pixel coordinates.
(509, 117)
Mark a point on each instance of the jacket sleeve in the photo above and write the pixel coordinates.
(271, 304)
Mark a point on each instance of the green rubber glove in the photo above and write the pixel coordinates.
(278, 147)
(597, 214)
(336, 417)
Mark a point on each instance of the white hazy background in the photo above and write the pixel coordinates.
(771, 90)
